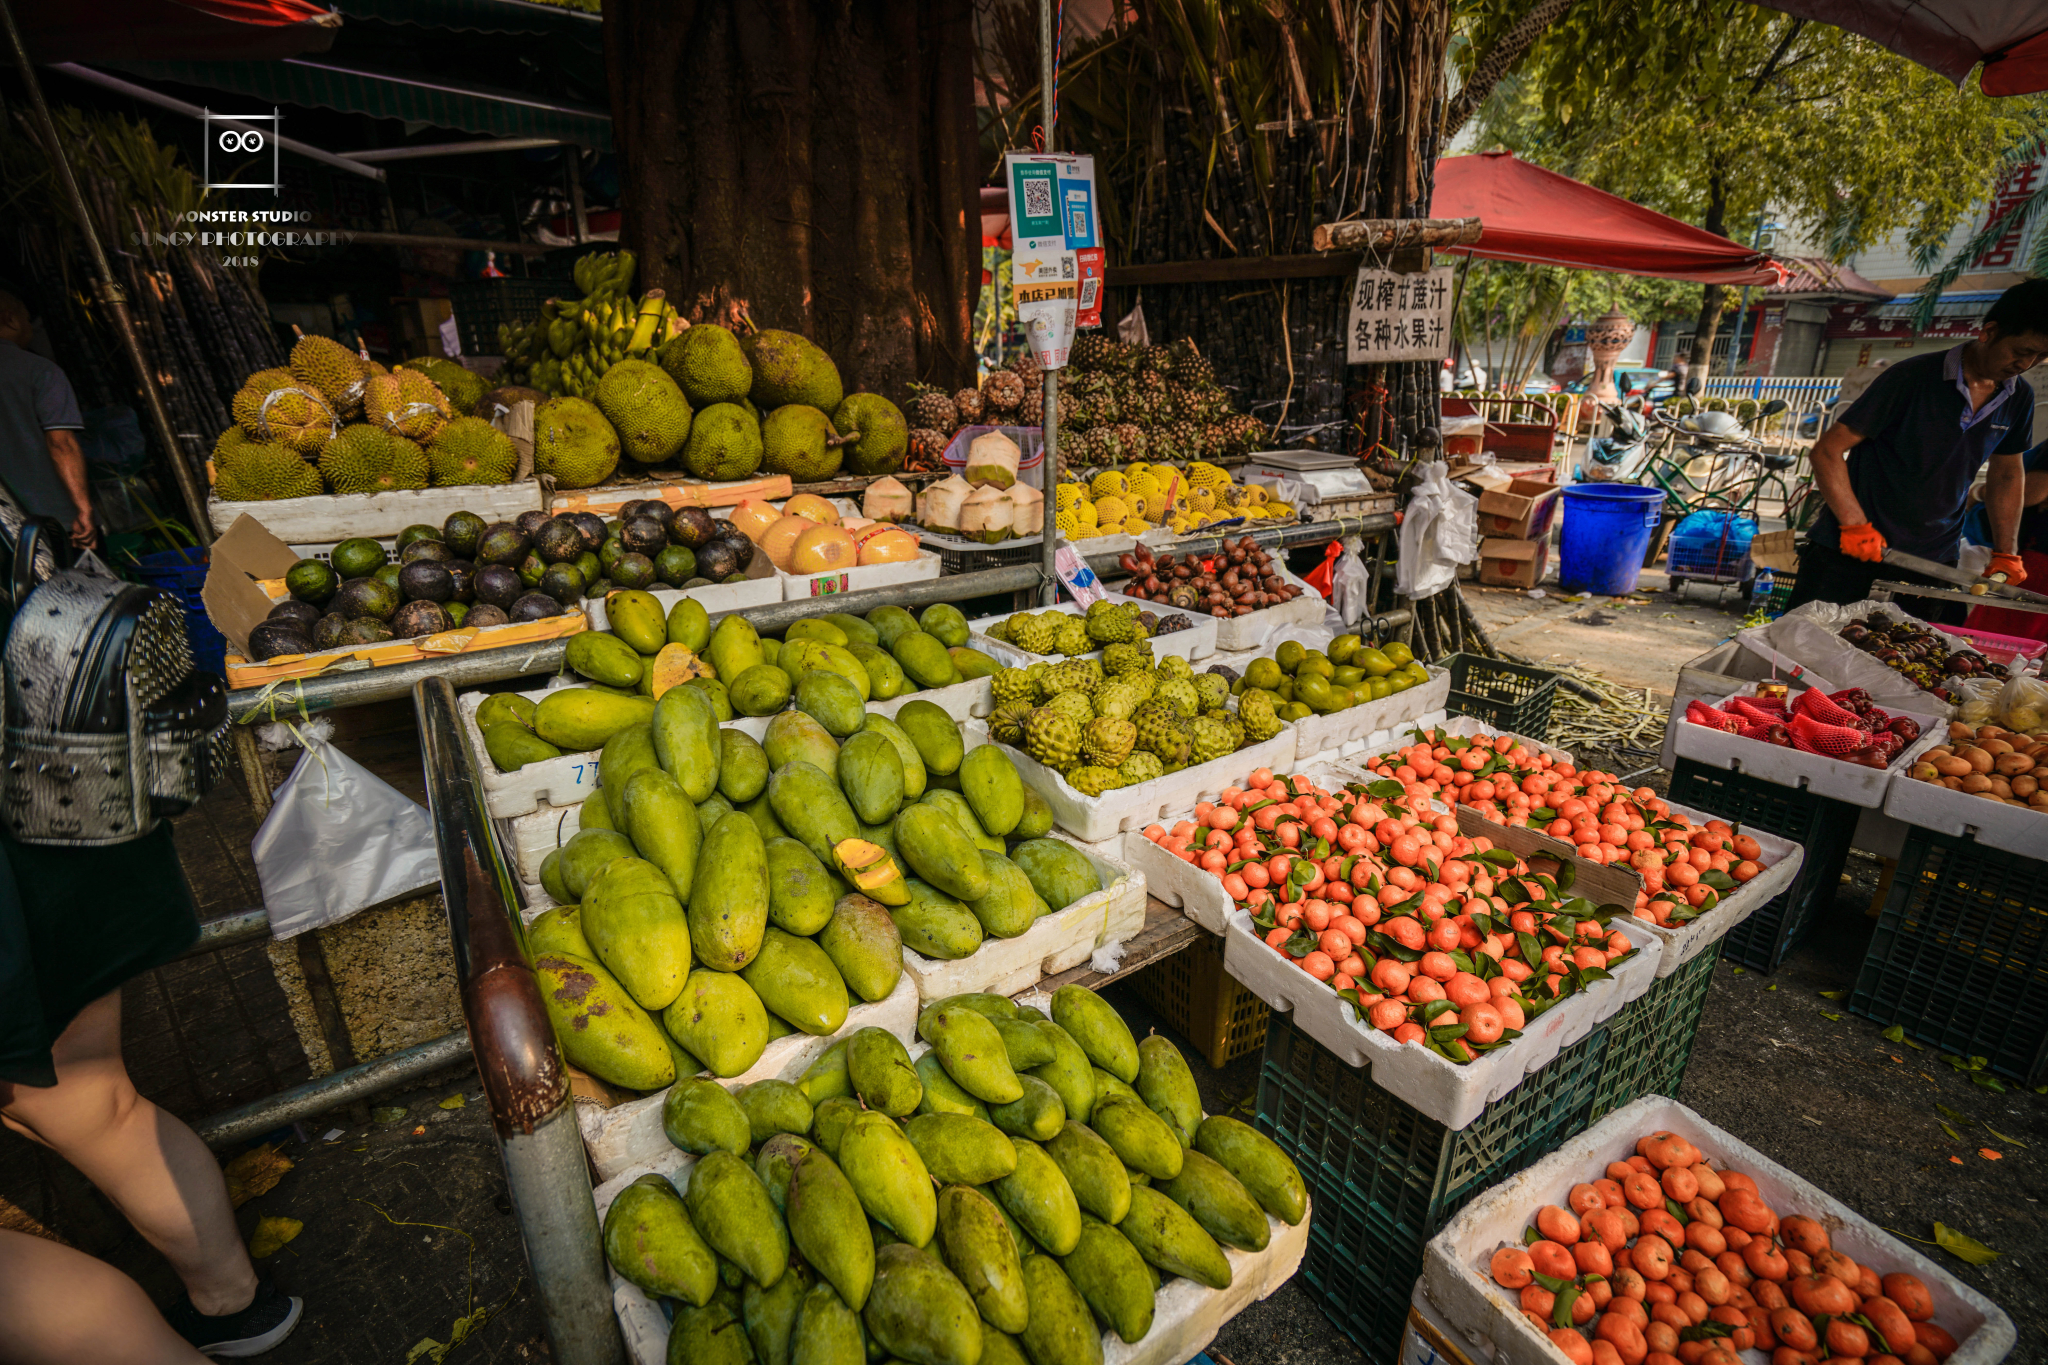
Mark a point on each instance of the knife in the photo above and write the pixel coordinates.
(1970, 583)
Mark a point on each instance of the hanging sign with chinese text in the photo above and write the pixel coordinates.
(1399, 317)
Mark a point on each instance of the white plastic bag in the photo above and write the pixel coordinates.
(2023, 704)
(1349, 584)
(340, 839)
(1439, 534)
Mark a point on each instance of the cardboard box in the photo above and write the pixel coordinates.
(242, 560)
(1775, 551)
(1513, 563)
(1521, 511)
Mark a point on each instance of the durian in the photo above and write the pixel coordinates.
(367, 459)
(332, 370)
(470, 450)
(263, 472)
(406, 403)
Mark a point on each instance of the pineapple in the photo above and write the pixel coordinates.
(967, 403)
(933, 410)
(1001, 392)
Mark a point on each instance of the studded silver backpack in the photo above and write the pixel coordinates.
(107, 727)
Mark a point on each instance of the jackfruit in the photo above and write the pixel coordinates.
(461, 385)
(789, 369)
(406, 403)
(261, 472)
(573, 443)
(273, 406)
(725, 443)
(471, 450)
(798, 440)
(366, 459)
(707, 363)
(229, 441)
(647, 409)
(881, 433)
(332, 370)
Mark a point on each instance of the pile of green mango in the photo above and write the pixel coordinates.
(1304, 682)
(1024, 1185)
(722, 892)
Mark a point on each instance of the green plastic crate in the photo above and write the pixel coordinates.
(1511, 697)
(1650, 1041)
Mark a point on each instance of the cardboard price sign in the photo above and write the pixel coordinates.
(1398, 317)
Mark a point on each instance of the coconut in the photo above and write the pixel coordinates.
(1027, 510)
(985, 516)
(886, 500)
(992, 460)
(942, 502)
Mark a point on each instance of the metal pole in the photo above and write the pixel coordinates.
(1049, 467)
(525, 1081)
(335, 1090)
(110, 292)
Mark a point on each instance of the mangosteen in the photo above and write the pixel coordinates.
(303, 614)
(725, 530)
(531, 568)
(415, 619)
(716, 559)
(463, 532)
(644, 535)
(366, 599)
(426, 582)
(691, 527)
(534, 606)
(633, 571)
(504, 544)
(742, 553)
(427, 551)
(463, 574)
(497, 586)
(589, 525)
(486, 614)
(529, 523)
(366, 631)
(675, 565)
(327, 630)
(558, 541)
(271, 639)
(564, 583)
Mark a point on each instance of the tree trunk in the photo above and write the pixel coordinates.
(807, 166)
(1713, 297)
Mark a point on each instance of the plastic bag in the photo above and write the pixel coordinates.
(2023, 704)
(339, 840)
(1439, 534)
(1349, 584)
(1977, 700)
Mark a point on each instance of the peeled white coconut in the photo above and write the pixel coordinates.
(985, 516)
(992, 460)
(886, 500)
(942, 502)
(1027, 510)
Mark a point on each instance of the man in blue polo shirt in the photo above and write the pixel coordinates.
(1918, 435)
(41, 461)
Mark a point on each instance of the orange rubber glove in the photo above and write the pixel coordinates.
(1863, 541)
(2015, 572)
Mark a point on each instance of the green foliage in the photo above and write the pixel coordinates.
(1512, 308)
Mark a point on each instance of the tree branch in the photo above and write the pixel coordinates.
(1771, 67)
(1500, 59)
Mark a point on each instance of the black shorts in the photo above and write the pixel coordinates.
(1828, 575)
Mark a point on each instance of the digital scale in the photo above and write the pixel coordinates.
(1337, 486)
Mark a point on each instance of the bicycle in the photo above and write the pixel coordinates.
(1742, 476)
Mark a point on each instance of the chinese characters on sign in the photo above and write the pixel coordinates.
(1399, 317)
(2016, 186)
(1056, 258)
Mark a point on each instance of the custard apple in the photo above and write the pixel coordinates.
(1117, 697)
(1006, 723)
(1174, 666)
(1208, 739)
(1073, 704)
(1107, 741)
(1179, 693)
(1108, 623)
(1127, 657)
(1091, 780)
(1072, 637)
(1211, 689)
(1052, 738)
(1070, 675)
(1034, 632)
(1161, 731)
(1255, 712)
(1014, 684)
(1140, 767)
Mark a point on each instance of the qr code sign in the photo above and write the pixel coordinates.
(1037, 198)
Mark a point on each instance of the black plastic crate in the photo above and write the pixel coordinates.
(480, 305)
(1385, 1178)
(1960, 955)
(1820, 824)
(1650, 1042)
(956, 560)
(1511, 697)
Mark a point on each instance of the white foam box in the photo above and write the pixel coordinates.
(1253, 629)
(1817, 773)
(1092, 819)
(625, 1135)
(1429, 1339)
(1196, 642)
(1185, 1316)
(1066, 938)
(1456, 1279)
(761, 589)
(804, 587)
(1930, 805)
(1341, 732)
(1452, 1094)
(334, 517)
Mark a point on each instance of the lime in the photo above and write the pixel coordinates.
(1379, 688)
(1347, 676)
(1289, 655)
(1343, 647)
(1399, 653)
(1375, 662)
(358, 558)
(311, 581)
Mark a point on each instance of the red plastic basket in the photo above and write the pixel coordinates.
(2002, 649)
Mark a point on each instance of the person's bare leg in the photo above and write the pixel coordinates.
(154, 1168)
(60, 1307)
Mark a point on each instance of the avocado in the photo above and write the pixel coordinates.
(367, 597)
(311, 581)
(497, 585)
(463, 532)
(415, 619)
(424, 581)
(432, 550)
(502, 544)
(691, 527)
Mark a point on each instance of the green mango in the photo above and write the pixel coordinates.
(1168, 1236)
(830, 700)
(1062, 1331)
(588, 852)
(701, 1116)
(629, 751)
(1099, 1029)
(954, 804)
(889, 1176)
(1168, 1087)
(890, 622)
(1039, 1198)
(960, 1149)
(886, 678)
(863, 944)
(1036, 822)
(1266, 1171)
(1093, 1170)
(827, 1331)
(1026, 1245)
(1058, 871)
(649, 1239)
(825, 1078)
(883, 1077)
(804, 656)
(870, 773)
(944, 622)
(661, 820)
(634, 922)
(711, 810)
(794, 737)
(719, 1019)
(816, 628)
(731, 1207)
(972, 663)
(796, 980)
(800, 890)
(762, 813)
(1011, 906)
(601, 1029)
(636, 618)
(503, 706)
(777, 1155)
(854, 628)
(778, 1027)
(711, 1335)
(1113, 1278)
(761, 690)
(924, 658)
(999, 1348)
(914, 777)
(971, 1050)
(808, 803)
(919, 1313)
(994, 1008)
(689, 625)
(829, 1120)
(936, 850)
(734, 647)
(583, 718)
(1136, 1178)
(770, 1314)
(1218, 1201)
(603, 658)
(742, 766)
(977, 1248)
(686, 741)
(1025, 1046)
(713, 692)
(829, 1226)
(729, 902)
(1069, 1071)
(771, 651)
(511, 746)
(990, 782)
(1037, 1115)
(1141, 1137)
(934, 925)
(559, 930)
(1031, 1014)
(942, 1094)
(936, 735)
(1110, 1087)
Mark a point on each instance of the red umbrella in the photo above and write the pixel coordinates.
(1948, 36)
(172, 30)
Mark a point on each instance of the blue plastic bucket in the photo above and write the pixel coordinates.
(182, 573)
(1607, 527)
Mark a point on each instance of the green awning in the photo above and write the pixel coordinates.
(385, 94)
(477, 16)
